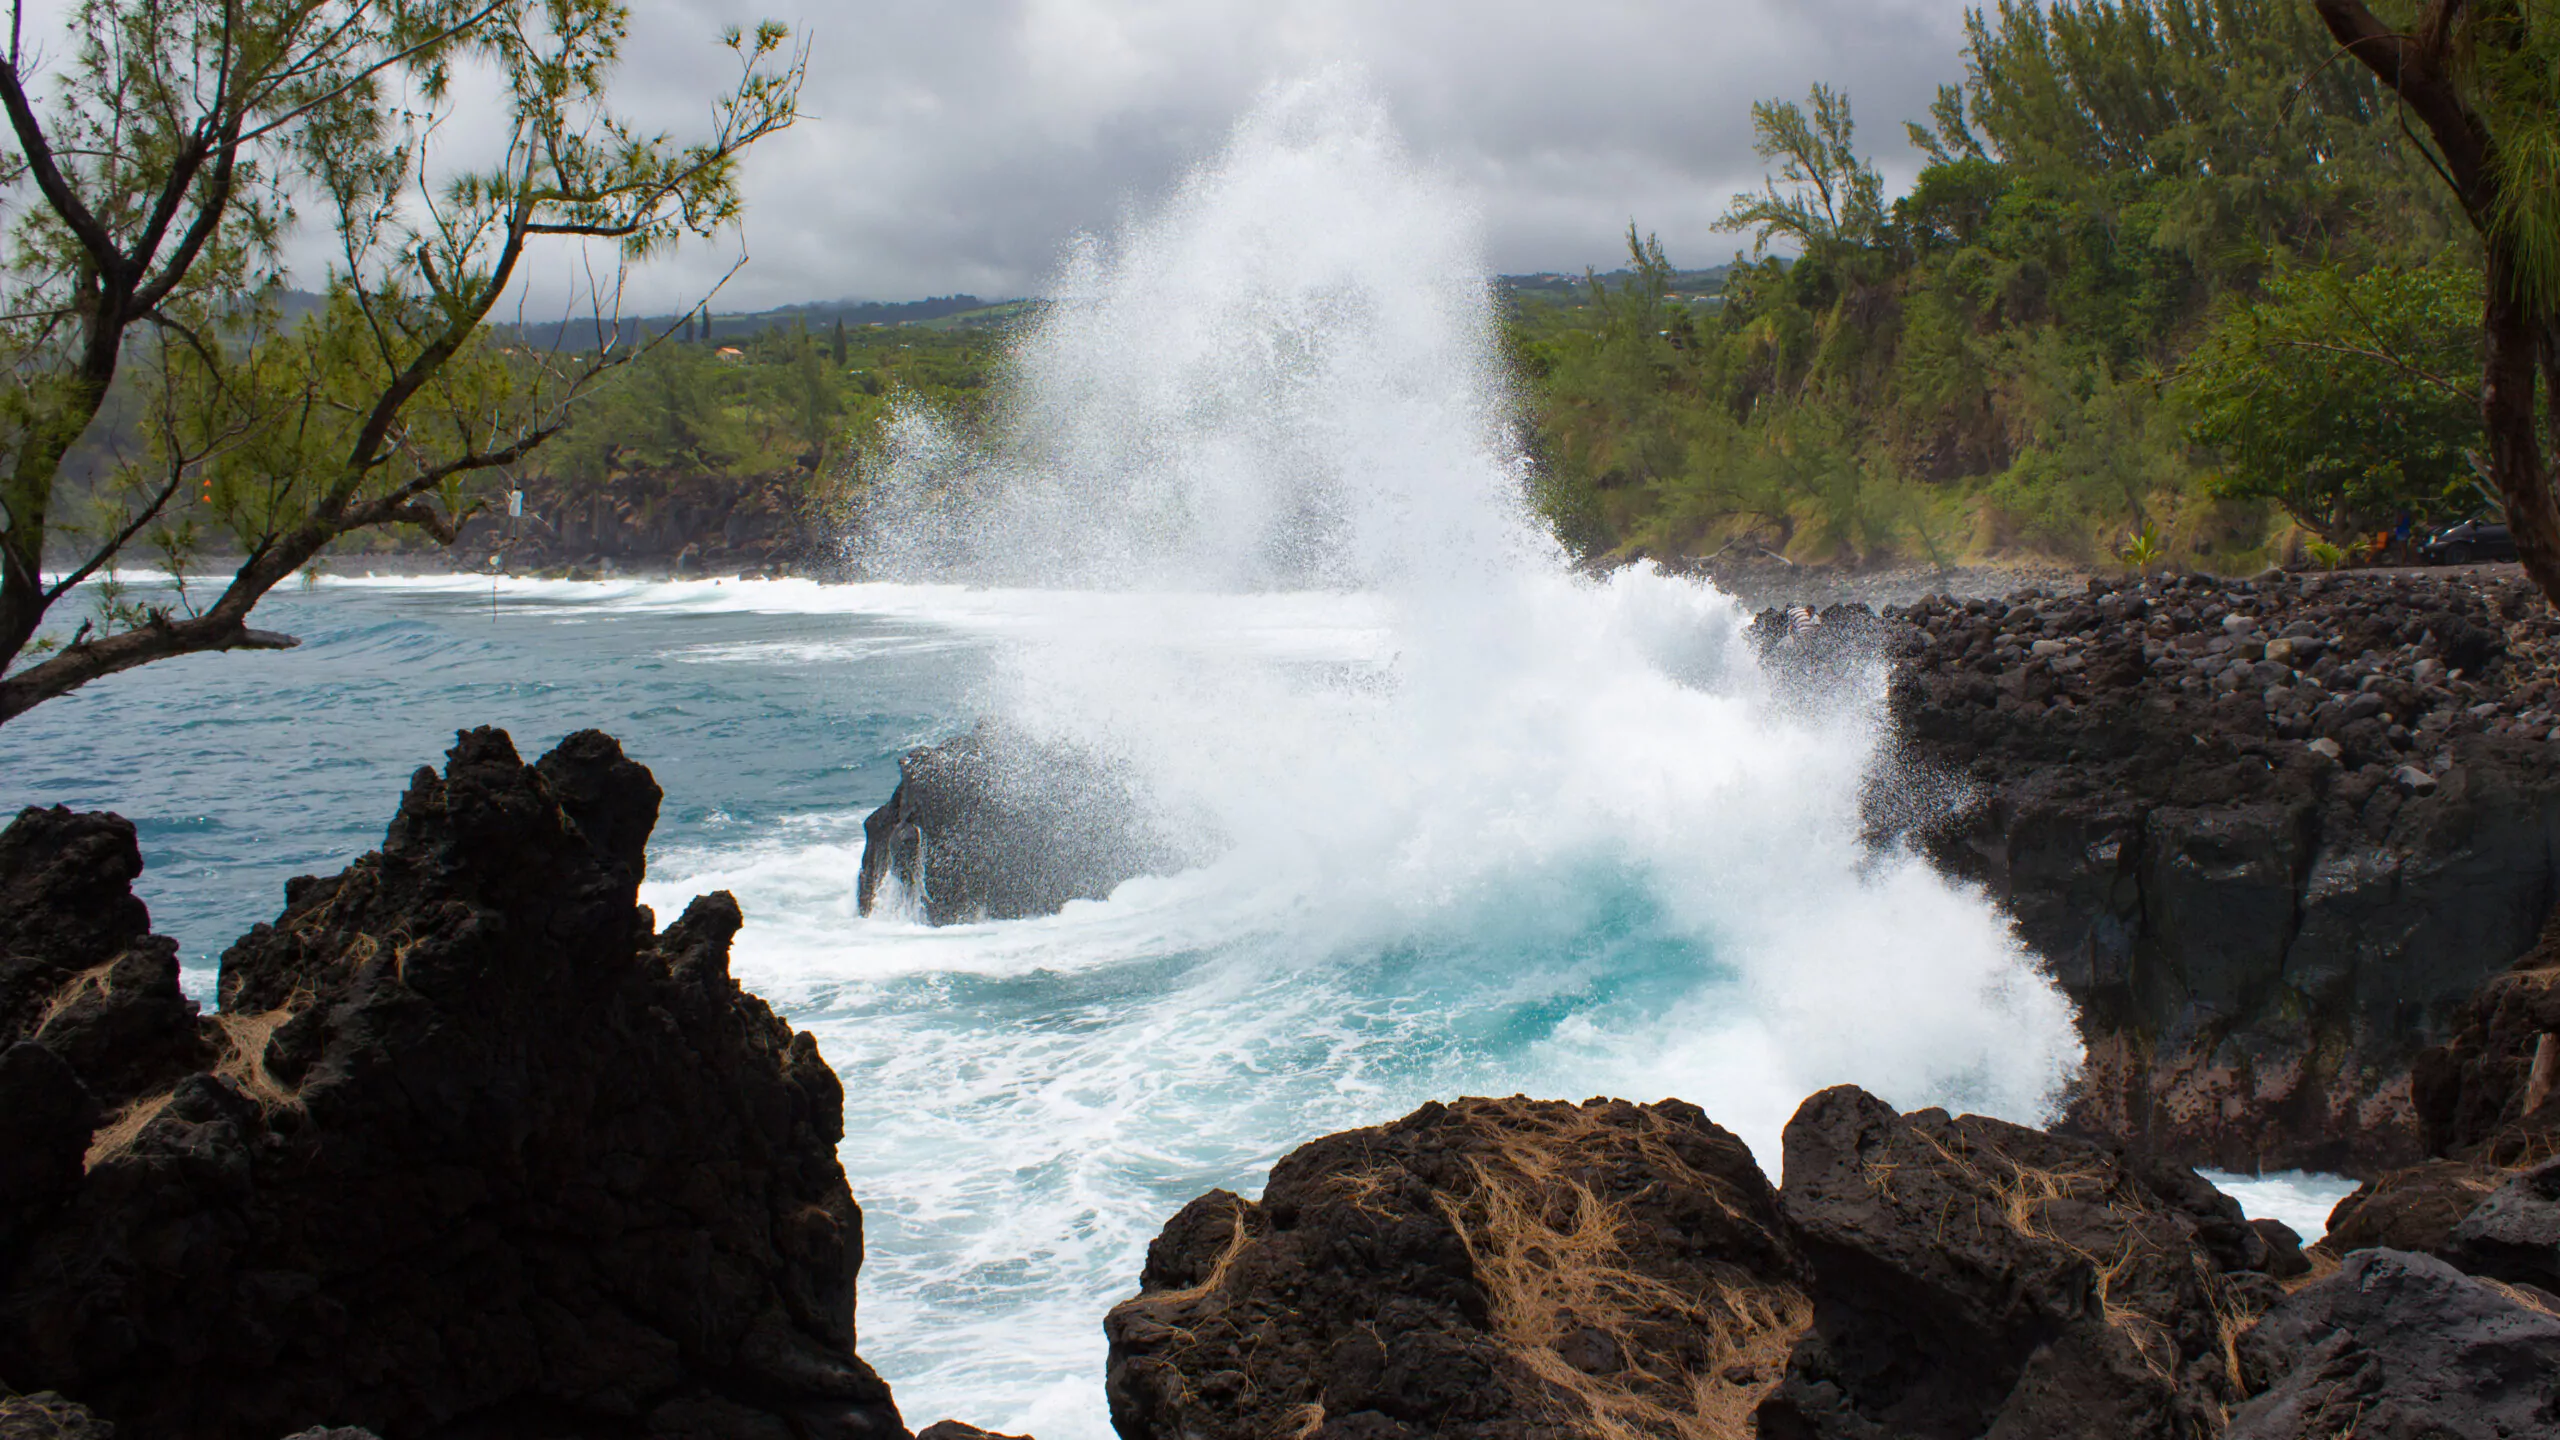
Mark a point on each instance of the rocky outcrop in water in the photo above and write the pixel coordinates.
(473, 1148)
(1519, 1268)
(2270, 835)
(995, 825)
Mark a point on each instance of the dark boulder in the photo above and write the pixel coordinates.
(995, 825)
(1975, 1277)
(80, 971)
(2396, 1346)
(2285, 1259)
(1490, 1268)
(2413, 1208)
(2514, 1234)
(2472, 1092)
(954, 1430)
(481, 1150)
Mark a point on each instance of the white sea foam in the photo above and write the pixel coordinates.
(2301, 1199)
(1251, 526)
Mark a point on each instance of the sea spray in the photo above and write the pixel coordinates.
(1248, 520)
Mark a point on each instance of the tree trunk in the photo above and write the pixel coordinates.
(2517, 354)
(2418, 67)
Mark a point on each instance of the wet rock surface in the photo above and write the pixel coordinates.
(2269, 834)
(997, 825)
(472, 1149)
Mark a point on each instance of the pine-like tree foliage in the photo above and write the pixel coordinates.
(1980, 363)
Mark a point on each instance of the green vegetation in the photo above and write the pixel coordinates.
(2179, 281)
(2340, 398)
(2483, 81)
(786, 397)
(2168, 272)
(152, 177)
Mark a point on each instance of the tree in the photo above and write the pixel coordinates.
(809, 396)
(154, 182)
(2482, 77)
(1832, 197)
(2343, 398)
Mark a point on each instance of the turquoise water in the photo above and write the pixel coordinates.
(1614, 883)
(1027, 1102)
(242, 770)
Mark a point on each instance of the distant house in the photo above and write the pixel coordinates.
(730, 352)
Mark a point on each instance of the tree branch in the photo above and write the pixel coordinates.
(38, 149)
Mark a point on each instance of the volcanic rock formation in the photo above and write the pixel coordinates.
(2269, 834)
(2395, 1346)
(472, 1149)
(1521, 1268)
(996, 825)
(1975, 1277)
(1467, 1271)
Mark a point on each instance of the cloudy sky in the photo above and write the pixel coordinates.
(956, 144)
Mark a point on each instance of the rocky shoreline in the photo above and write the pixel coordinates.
(475, 1149)
(2270, 835)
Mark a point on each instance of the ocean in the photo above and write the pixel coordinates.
(1249, 525)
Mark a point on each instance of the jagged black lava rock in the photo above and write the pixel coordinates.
(2269, 834)
(81, 974)
(1523, 1269)
(477, 1149)
(996, 825)
(2514, 1235)
(1490, 1269)
(1975, 1277)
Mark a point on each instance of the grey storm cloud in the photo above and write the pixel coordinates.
(958, 145)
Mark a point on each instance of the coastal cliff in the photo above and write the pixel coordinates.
(681, 522)
(2270, 835)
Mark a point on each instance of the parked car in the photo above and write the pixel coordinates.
(2470, 541)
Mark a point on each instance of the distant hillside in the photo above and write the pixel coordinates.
(940, 312)
(1556, 288)
(963, 312)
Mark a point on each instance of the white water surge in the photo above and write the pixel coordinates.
(1251, 524)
